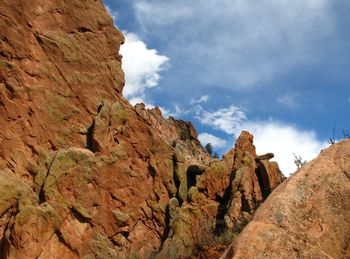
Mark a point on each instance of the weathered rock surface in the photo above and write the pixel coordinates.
(308, 216)
(83, 174)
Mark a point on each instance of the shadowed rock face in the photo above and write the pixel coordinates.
(83, 174)
(308, 216)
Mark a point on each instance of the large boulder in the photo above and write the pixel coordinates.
(308, 216)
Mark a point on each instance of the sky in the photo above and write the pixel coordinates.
(279, 69)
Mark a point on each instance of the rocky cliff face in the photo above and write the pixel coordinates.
(308, 216)
(83, 174)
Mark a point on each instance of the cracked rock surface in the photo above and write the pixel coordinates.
(83, 174)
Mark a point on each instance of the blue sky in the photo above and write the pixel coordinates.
(276, 68)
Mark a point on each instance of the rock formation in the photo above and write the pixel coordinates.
(307, 216)
(83, 174)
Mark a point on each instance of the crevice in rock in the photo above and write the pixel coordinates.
(12, 211)
(64, 242)
(90, 138)
(84, 29)
(223, 206)
(166, 228)
(125, 234)
(176, 179)
(191, 175)
(245, 203)
(152, 171)
(11, 90)
(42, 198)
(8, 18)
(81, 218)
(4, 242)
(91, 143)
(263, 179)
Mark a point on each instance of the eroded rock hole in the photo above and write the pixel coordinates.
(91, 143)
(264, 181)
(84, 29)
(191, 174)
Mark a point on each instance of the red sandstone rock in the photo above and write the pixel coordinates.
(85, 174)
(305, 217)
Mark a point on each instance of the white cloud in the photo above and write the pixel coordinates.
(141, 67)
(225, 119)
(264, 39)
(284, 140)
(215, 141)
(178, 111)
(202, 99)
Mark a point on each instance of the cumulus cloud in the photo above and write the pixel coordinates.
(264, 39)
(284, 141)
(216, 142)
(141, 66)
(225, 119)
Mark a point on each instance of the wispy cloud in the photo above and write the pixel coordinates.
(265, 38)
(225, 119)
(141, 66)
(202, 99)
(216, 142)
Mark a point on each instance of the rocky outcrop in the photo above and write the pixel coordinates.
(308, 216)
(221, 201)
(83, 174)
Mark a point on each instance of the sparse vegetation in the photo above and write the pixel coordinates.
(299, 161)
(338, 134)
(209, 149)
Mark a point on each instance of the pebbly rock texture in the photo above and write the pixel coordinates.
(308, 216)
(83, 174)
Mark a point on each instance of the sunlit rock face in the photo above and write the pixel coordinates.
(308, 216)
(83, 174)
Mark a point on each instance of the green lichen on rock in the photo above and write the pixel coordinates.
(121, 218)
(61, 43)
(6, 65)
(102, 247)
(217, 169)
(119, 114)
(14, 192)
(194, 196)
(43, 216)
(72, 169)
